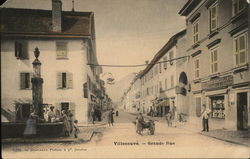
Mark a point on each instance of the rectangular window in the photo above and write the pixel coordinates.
(25, 80)
(165, 59)
(218, 108)
(21, 49)
(166, 84)
(64, 80)
(213, 18)
(172, 81)
(61, 50)
(240, 49)
(197, 68)
(160, 67)
(65, 106)
(238, 6)
(171, 56)
(196, 32)
(214, 61)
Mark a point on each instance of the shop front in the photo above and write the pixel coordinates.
(162, 107)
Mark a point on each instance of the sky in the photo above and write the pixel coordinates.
(128, 32)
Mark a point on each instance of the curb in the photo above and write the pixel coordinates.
(93, 125)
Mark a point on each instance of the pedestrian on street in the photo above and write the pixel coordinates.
(65, 123)
(51, 115)
(205, 116)
(76, 130)
(93, 115)
(111, 117)
(70, 119)
(168, 118)
(139, 124)
(116, 113)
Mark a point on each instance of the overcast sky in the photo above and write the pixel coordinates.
(127, 31)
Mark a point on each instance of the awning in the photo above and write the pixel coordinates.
(163, 103)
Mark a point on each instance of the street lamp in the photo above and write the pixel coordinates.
(37, 88)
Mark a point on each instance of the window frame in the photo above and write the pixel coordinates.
(238, 11)
(195, 33)
(215, 18)
(196, 68)
(21, 49)
(212, 62)
(171, 57)
(237, 37)
(67, 83)
(23, 86)
(57, 50)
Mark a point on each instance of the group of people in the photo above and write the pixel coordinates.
(69, 124)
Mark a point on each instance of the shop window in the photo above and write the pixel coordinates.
(25, 80)
(23, 111)
(61, 50)
(196, 32)
(64, 80)
(198, 106)
(218, 108)
(21, 50)
(214, 61)
(213, 18)
(238, 6)
(240, 49)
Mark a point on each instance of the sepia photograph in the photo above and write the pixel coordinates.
(125, 79)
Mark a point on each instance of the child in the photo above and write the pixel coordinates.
(75, 129)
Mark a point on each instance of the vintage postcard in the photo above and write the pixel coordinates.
(125, 79)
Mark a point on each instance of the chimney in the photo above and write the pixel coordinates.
(56, 15)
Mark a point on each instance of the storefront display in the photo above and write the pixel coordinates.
(218, 108)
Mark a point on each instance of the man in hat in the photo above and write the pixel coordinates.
(205, 116)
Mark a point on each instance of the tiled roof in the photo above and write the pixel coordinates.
(30, 21)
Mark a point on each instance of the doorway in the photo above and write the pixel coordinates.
(242, 116)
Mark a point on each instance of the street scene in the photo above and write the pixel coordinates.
(125, 79)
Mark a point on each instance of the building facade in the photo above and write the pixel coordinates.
(66, 40)
(218, 46)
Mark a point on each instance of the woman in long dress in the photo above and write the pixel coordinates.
(65, 123)
(30, 129)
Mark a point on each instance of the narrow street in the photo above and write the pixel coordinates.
(122, 139)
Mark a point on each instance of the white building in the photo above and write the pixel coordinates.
(66, 40)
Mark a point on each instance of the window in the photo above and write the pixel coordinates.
(165, 63)
(198, 106)
(196, 32)
(196, 68)
(172, 81)
(61, 50)
(218, 108)
(64, 80)
(23, 111)
(25, 80)
(160, 67)
(238, 6)
(240, 49)
(214, 61)
(171, 56)
(21, 49)
(213, 18)
(166, 84)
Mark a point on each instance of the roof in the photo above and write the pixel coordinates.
(188, 7)
(39, 22)
(171, 42)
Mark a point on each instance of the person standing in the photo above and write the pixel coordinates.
(93, 115)
(139, 124)
(168, 118)
(65, 123)
(51, 115)
(205, 116)
(30, 129)
(111, 117)
(75, 129)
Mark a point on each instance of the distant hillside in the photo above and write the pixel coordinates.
(116, 91)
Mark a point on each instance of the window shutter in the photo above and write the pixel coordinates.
(72, 108)
(22, 80)
(24, 49)
(85, 90)
(59, 79)
(69, 80)
(31, 76)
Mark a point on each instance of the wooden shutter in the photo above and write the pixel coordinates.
(31, 76)
(59, 79)
(22, 80)
(72, 108)
(69, 80)
(24, 49)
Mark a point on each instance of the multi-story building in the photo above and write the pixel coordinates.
(218, 46)
(66, 40)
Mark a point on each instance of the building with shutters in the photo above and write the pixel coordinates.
(66, 40)
(218, 74)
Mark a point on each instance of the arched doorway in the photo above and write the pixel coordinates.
(183, 82)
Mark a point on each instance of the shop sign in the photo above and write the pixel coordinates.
(217, 83)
